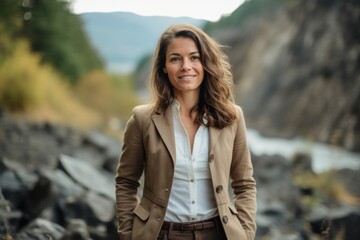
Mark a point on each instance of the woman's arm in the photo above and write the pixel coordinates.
(243, 182)
(129, 171)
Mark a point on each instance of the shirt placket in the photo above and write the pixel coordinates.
(192, 180)
(191, 163)
(192, 189)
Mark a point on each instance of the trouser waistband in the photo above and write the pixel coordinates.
(192, 226)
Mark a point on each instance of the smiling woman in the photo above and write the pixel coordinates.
(189, 141)
(185, 8)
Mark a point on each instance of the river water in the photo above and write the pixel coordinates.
(324, 157)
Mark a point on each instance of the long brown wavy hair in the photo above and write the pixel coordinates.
(216, 103)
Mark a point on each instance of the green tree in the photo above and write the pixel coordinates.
(10, 26)
(58, 35)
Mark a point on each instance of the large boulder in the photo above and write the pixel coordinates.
(41, 229)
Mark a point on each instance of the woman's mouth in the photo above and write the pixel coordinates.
(186, 77)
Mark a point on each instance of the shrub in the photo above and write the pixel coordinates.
(36, 90)
(19, 79)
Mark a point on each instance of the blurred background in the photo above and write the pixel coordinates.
(71, 72)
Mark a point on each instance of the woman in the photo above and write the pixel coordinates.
(188, 142)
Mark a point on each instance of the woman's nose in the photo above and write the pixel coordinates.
(186, 64)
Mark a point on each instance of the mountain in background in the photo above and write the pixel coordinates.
(123, 38)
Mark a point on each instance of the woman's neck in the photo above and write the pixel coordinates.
(187, 102)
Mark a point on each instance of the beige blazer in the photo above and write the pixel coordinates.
(149, 146)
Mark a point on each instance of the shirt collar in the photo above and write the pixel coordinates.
(176, 107)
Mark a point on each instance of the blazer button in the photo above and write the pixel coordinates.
(225, 219)
(211, 158)
(219, 188)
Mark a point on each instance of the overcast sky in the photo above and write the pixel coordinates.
(202, 9)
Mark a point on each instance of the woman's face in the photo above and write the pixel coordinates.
(183, 66)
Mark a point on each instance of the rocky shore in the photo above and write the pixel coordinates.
(58, 183)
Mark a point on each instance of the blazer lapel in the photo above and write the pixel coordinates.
(214, 134)
(164, 124)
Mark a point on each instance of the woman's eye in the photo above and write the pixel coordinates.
(174, 59)
(195, 57)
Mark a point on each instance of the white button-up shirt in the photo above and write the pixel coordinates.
(192, 196)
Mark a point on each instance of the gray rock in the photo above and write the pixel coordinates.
(95, 209)
(37, 199)
(41, 229)
(340, 222)
(103, 207)
(63, 185)
(77, 230)
(88, 176)
(12, 188)
(99, 150)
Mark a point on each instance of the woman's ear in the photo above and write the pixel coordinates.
(164, 70)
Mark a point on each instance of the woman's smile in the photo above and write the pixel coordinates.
(187, 77)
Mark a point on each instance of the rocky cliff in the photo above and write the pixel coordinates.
(297, 71)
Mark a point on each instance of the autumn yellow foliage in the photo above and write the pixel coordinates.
(31, 88)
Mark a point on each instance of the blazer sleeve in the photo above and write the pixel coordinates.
(243, 182)
(127, 180)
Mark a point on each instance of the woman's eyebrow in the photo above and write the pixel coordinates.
(178, 54)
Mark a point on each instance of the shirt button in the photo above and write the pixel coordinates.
(219, 188)
(193, 219)
(225, 219)
(193, 202)
(191, 180)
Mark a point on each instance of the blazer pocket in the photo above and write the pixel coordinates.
(234, 211)
(142, 212)
(139, 222)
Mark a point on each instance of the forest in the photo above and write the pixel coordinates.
(50, 70)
